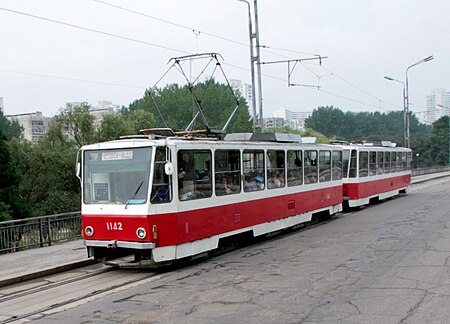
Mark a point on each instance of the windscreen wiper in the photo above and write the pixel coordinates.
(135, 193)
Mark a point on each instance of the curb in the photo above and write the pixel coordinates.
(46, 272)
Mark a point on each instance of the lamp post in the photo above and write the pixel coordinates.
(405, 141)
(417, 158)
(426, 59)
(448, 116)
(252, 60)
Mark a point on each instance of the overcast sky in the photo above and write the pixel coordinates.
(44, 65)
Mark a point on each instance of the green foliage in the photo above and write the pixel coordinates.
(434, 150)
(371, 126)
(74, 124)
(10, 129)
(112, 127)
(48, 176)
(178, 107)
(138, 119)
(12, 204)
(430, 142)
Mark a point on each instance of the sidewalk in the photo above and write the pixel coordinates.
(29, 264)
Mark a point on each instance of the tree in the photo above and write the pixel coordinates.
(112, 127)
(371, 126)
(10, 129)
(47, 173)
(328, 120)
(178, 107)
(73, 124)
(434, 150)
(12, 204)
(141, 118)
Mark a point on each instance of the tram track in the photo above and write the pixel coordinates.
(27, 301)
(51, 294)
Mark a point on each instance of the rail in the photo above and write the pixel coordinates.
(17, 235)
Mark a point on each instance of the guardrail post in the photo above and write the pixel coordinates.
(41, 235)
(49, 231)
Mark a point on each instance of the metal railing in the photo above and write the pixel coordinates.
(429, 170)
(17, 235)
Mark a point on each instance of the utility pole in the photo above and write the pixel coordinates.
(252, 64)
(258, 67)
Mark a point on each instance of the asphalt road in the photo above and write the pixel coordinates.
(388, 263)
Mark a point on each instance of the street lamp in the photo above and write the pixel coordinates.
(405, 142)
(426, 59)
(417, 158)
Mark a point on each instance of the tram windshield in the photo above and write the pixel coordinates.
(117, 176)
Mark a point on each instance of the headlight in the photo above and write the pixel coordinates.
(89, 231)
(141, 233)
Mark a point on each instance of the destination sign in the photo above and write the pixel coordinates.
(117, 155)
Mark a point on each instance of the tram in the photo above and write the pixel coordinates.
(163, 197)
(374, 171)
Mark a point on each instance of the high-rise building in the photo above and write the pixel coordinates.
(274, 122)
(244, 89)
(294, 119)
(34, 125)
(438, 105)
(2, 108)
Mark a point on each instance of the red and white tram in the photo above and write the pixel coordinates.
(374, 171)
(167, 198)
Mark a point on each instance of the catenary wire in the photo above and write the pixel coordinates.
(94, 30)
(177, 50)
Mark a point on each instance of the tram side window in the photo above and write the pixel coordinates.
(380, 163)
(336, 164)
(162, 183)
(398, 161)
(324, 166)
(393, 162)
(363, 164)
(294, 172)
(408, 160)
(275, 169)
(310, 166)
(194, 174)
(387, 162)
(253, 163)
(352, 169)
(345, 162)
(372, 163)
(404, 164)
(227, 171)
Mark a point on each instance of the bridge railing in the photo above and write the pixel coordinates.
(429, 170)
(17, 235)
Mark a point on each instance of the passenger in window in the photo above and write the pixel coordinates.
(250, 184)
(224, 187)
(160, 194)
(276, 181)
(181, 174)
(259, 182)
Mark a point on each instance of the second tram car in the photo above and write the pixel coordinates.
(167, 198)
(374, 171)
